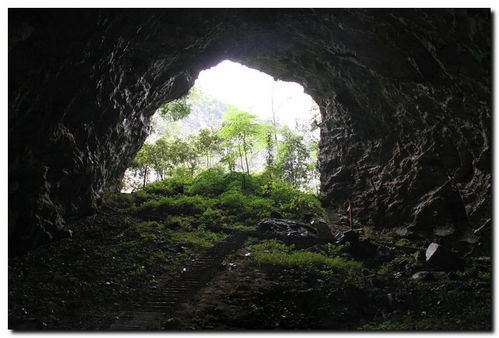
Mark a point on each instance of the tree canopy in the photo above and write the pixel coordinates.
(241, 142)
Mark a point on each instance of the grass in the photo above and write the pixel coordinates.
(201, 239)
(277, 253)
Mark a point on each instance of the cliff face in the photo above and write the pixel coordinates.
(405, 97)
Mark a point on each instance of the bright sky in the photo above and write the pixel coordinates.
(252, 91)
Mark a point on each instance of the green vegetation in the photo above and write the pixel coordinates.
(170, 221)
(396, 264)
(217, 199)
(234, 146)
(275, 252)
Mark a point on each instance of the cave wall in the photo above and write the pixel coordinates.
(404, 96)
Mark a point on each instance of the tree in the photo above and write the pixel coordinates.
(176, 109)
(143, 161)
(240, 128)
(207, 142)
(181, 153)
(159, 157)
(229, 156)
(293, 157)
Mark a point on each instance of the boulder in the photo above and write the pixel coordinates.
(438, 256)
(288, 231)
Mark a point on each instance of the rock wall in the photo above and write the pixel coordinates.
(404, 94)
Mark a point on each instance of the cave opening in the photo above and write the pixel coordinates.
(406, 137)
(192, 133)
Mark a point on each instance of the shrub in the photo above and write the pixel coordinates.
(148, 226)
(176, 221)
(142, 196)
(304, 207)
(181, 205)
(211, 217)
(120, 201)
(189, 205)
(257, 207)
(233, 200)
(208, 183)
(168, 187)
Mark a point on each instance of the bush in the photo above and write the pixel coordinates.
(181, 205)
(233, 201)
(304, 207)
(168, 187)
(184, 222)
(258, 207)
(208, 183)
(211, 217)
(244, 197)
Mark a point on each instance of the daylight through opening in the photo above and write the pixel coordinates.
(234, 119)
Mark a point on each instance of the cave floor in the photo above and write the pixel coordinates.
(111, 276)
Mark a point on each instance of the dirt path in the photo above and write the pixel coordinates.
(173, 292)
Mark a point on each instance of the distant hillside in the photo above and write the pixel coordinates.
(206, 112)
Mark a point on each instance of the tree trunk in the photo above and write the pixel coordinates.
(241, 157)
(246, 159)
(245, 149)
(145, 177)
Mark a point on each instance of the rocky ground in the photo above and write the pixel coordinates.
(276, 280)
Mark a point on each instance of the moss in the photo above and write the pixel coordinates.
(201, 239)
(157, 257)
(129, 244)
(239, 227)
(277, 253)
(396, 264)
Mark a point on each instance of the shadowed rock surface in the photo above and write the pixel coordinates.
(404, 97)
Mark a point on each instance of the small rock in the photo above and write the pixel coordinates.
(397, 274)
(401, 231)
(444, 230)
(439, 256)
(482, 259)
(418, 256)
(422, 275)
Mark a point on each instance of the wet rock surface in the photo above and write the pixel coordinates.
(289, 231)
(404, 97)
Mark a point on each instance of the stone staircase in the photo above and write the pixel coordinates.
(171, 293)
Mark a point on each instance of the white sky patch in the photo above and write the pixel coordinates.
(252, 91)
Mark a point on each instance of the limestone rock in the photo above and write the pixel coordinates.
(404, 96)
(285, 227)
(289, 231)
(438, 256)
(429, 275)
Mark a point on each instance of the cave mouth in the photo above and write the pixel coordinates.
(405, 99)
(182, 125)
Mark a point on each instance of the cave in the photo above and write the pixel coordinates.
(404, 96)
(406, 143)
